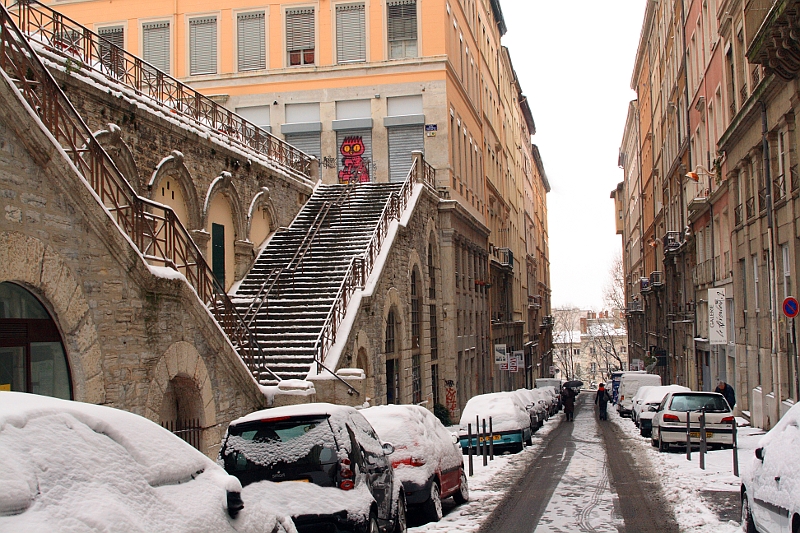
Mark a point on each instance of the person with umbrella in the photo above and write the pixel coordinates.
(601, 400)
(568, 394)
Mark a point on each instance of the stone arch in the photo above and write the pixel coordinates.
(224, 223)
(367, 359)
(397, 358)
(182, 371)
(262, 219)
(111, 141)
(174, 167)
(223, 184)
(432, 242)
(40, 269)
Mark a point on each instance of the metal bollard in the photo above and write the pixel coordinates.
(478, 431)
(469, 448)
(688, 436)
(734, 435)
(703, 445)
(485, 447)
(491, 440)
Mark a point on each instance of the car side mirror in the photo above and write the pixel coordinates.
(760, 454)
(388, 449)
(456, 440)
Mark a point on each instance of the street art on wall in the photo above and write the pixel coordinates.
(354, 165)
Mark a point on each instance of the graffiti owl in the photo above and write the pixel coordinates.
(354, 166)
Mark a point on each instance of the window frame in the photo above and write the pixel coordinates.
(235, 22)
(417, 40)
(335, 19)
(189, 18)
(287, 10)
(170, 45)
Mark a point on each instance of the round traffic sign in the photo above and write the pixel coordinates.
(790, 307)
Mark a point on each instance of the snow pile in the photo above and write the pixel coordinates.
(507, 413)
(781, 453)
(73, 467)
(417, 437)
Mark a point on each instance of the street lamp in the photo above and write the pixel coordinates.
(695, 174)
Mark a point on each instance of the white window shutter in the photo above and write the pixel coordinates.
(251, 41)
(299, 29)
(156, 46)
(203, 46)
(351, 42)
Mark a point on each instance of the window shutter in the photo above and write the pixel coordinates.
(402, 141)
(110, 58)
(203, 46)
(351, 42)
(402, 20)
(155, 40)
(299, 29)
(309, 143)
(251, 40)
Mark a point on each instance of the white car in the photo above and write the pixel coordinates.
(771, 486)
(669, 422)
(648, 405)
(426, 459)
(636, 402)
(71, 466)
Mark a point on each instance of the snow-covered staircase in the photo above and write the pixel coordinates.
(287, 300)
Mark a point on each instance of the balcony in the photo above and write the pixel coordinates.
(548, 321)
(779, 188)
(534, 301)
(644, 284)
(634, 306)
(699, 202)
(776, 46)
(656, 279)
(738, 215)
(703, 273)
(504, 256)
(672, 241)
(750, 207)
(762, 199)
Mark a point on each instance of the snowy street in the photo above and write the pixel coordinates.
(590, 476)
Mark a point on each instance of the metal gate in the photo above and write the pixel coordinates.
(402, 141)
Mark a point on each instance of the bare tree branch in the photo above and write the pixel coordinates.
(614, 291)
(567, 338)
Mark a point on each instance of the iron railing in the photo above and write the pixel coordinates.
(153, 228)
(189, 430)
(672, 241)
(762, 199)
(779, 187)
(795, 177)
(738, 213)
(61, 34)
(750, 207)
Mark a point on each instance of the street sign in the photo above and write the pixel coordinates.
(790, 307)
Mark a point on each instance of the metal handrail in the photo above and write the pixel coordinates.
(66, 36)
(153, 228)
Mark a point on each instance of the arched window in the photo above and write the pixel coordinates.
(392, 364)
(32, 357)
(415, 310)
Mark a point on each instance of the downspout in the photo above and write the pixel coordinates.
(773, 290)
(683, 203)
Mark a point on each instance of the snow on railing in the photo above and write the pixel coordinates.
(63, 35)
(152, 228)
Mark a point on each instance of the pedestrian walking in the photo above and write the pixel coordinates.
(568, 398)
(727, 391)
(601, 400)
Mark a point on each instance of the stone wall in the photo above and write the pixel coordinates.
(128, 334)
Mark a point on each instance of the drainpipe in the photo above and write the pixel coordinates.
(773, 290)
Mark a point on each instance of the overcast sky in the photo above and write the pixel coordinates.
(575, 60)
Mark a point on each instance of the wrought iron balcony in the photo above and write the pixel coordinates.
(672, 241)
(504, 256)
(634, 306)
(535, 301)
(656, 279)
(548, 321)
(738, 215)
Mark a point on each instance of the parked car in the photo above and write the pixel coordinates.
(669, 422)
(72, 466)
(555, 384)
(426, 459)
(510, 421)
(345, 479)
(616, 377)
(535, 406)
(771, 486)
(637, 402)
(629, 383)
(648, 405)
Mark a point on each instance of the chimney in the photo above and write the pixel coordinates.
(583, 326)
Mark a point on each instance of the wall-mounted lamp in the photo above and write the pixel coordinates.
(695, 174)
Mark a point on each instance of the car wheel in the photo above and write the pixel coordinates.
(529, 442)
(401, 519)
(662, 446)
(432, 509)
(372, 525)
(462, 495)
(748, 526)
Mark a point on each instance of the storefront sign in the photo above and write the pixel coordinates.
(717, 319)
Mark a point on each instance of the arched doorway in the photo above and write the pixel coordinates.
(182, 410)
(32, 356)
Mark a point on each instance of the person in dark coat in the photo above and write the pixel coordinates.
(601, 400)
(568, 399)
(727, 391)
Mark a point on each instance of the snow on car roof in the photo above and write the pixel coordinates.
(73, 467)
(506, 412)
(656, 394)
(415, 433)
(307, 409)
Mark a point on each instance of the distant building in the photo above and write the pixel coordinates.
(588, 346)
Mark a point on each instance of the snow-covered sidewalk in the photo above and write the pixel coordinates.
(489, 485)
(685, 484)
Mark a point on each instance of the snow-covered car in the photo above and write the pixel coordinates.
(629, 383)
(669, 422)
(636, 402)
(71, 466)
(534, 405)
(648, 405)
(426, 459)
(771, 486)
(511, 423)
(341, 474)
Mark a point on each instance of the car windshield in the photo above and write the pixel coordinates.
(281, 450)
(713, 403)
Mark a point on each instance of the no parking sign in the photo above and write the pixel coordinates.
(790, 307)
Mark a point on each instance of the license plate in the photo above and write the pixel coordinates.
(696, 434)
(494, 437)
(294, 481)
